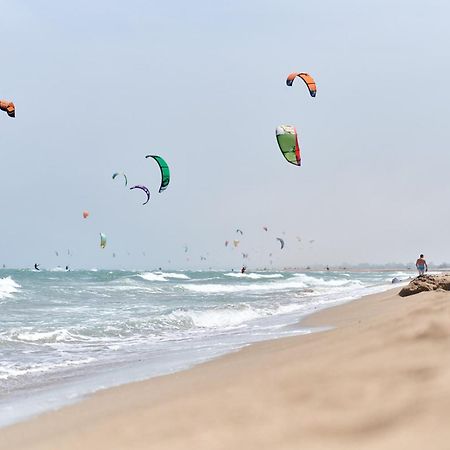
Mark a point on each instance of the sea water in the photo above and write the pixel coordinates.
(64, 335)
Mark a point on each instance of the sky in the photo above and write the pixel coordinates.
(99, 85)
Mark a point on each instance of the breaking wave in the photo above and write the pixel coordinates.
(7, 287)
(162, 276)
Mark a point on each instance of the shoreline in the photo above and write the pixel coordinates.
(55, 394)
(231, 394)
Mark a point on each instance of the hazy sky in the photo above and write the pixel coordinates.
(100, 84)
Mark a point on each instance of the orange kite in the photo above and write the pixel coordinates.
(8, 107)
(308, 79)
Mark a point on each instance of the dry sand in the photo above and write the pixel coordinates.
(380, 380)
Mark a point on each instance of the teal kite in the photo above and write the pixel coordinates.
(165, 172)
(119, 173)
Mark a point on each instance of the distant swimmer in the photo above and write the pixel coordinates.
(36, 266)
(243, 269)
(421, 265)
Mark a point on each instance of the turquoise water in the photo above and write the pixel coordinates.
(66, 334)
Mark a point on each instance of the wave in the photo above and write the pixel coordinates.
(253, 276)
(176, 276)
(230, 288)
(14, 372)
(297, 281)
(332, 282)
(218, 318)
(150, 276)
(43, 337)
(57, 269)
(162, 276)
(7, 287)
(232, 316)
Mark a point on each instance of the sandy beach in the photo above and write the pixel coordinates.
(378, 380)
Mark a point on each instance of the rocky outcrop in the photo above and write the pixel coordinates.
(426, 283)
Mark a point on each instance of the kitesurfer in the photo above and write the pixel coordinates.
(243, 269)
(36, 266)
(67, 268)
(421, 265)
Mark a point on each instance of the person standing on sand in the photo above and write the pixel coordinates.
(421, 265)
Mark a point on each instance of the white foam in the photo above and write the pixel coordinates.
(177, 276)
(150, 276)
(227, 288)
(11, 371)
(253, 276)
(7, 287)
(57, 269)
(219, 318)
(334, 282)
(59, 335)
(162, 276)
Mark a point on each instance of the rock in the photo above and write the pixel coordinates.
(426, 283)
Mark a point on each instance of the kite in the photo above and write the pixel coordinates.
(308, 79)
(115, 174)
(226, 243)
(85, 214)
(288, 143)
(102, 240)
(165, 172)
(281, 242)
(235, 243)
(239, 231)
(145, 189)
(8, 107)
(265, 229)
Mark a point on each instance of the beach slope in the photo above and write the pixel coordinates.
(379, 380)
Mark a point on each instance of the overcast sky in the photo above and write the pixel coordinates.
(100, 84)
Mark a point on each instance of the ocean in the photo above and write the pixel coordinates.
(64, 335)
